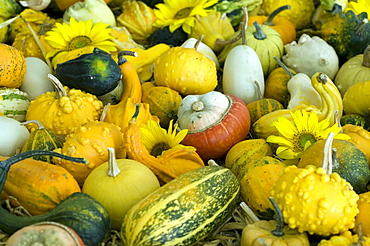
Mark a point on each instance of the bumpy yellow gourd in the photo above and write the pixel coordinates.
(315, 202)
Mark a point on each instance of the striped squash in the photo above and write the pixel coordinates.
(183, 211)
(13, 103)
(261, 107)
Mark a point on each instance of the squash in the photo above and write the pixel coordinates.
(13, 103)
(167, 166)
(37, 185)
(61, 110)
(215, 122)
(41, 139)
(311, 55)
(185, 70)
(364, 213)
(163, 102)
(184, 211)
(13, 66)
(282, 25)
(360, 137)
(354, 119)
(64, 4)
(355, 100)
(355, 69)
(96, 73)
(313, 199)
(79, 211)
(49, 233)
(272, 232)
(90, 141)
(111, 184)
(345, 238)
(13, 138)
(256, 184)
(9, 8)
(276, 86)
(347, 33)
(164, 35)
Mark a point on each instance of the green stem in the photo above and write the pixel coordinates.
(278, 232)
(270, 19)
(258, 34)
(286, 69)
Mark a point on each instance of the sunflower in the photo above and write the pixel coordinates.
(295, 137)
(64, 37)
(176, 13)
(157, 140)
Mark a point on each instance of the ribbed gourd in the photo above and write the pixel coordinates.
(14, 103)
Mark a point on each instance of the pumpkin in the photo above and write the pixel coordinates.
(276, 86)
(355, 100)
(347, 33)
(41, 139)
(37, 185)
(61, 110)
(45, 232)
(111, 184)
(79, 211)
(295, 15)
(272, 232)
(355, 69)
(246, 151)
(313, 199)
(163, 102)
(256, 184)
(360, 137)
(183, 211)
(364, 213)
(282, 25)
(13, 138)
(13, 103)
(90, 141)
(13, 66)
(185, 70)
(167, 166)
(215, 122)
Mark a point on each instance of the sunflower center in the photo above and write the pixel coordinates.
(304, 138)
(185, 12)
(79, 42)
(158, 148)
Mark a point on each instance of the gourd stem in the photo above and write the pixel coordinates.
(113, 169)
(328, 154)
(251, 217)
(196, 45)
(258, 34)
(38, 123)
(121, 54)
(259, 93)
(197, 106)
(219, 43)
(278, 232)
(58, 86)
(322, 78)
(137, 109)
(244, 25)
(270, 19)
(286, 69)
(366, 58)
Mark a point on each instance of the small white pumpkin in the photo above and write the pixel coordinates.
(13, 135)
(13, 103)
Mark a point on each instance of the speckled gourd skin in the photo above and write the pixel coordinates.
(315, 202)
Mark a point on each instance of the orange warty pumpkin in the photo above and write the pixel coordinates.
(12, 66)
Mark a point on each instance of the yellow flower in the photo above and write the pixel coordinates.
(296, 137)
(64, 38)
(175, 13)
(157, 140)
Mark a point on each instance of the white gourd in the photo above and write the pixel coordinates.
(302, 92)
(13, 135)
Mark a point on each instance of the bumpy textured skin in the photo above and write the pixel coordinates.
(315, 202)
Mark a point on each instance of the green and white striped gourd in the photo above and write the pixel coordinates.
(13, 103)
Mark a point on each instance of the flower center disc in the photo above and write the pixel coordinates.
(79, 42)
(304, 138)
(158, 148)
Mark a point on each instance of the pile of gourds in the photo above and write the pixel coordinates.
(72, 152)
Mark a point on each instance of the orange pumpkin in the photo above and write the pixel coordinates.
(13, 66)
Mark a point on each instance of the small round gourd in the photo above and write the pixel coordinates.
(14, 103)
(13, 66)
(360, 137)
(364, 214)
(277, 86)
(356, 100)
(118, 184)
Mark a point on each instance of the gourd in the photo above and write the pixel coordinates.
(9, 8)
(41, 139)
(282, 25)
(356, 69)
(38, 186)
(13, 103)
(328, 204)
(311, 55)
(163, 217)
(167, 166)
(64, 4)
(13, 65)
(360, 137)
(355, 100)
(328, 5)
(215, 122)
(163, 102)
(363, 215)
(90, 141)
(203, 48)
(79, 211)
(345, 238)
(185, 70)
(276, 86)
(354, 119)
(46, 233)
(111, 184)
(13, 138)
(242, 68)
(96, 73)
(272, 232)
(63, 109)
